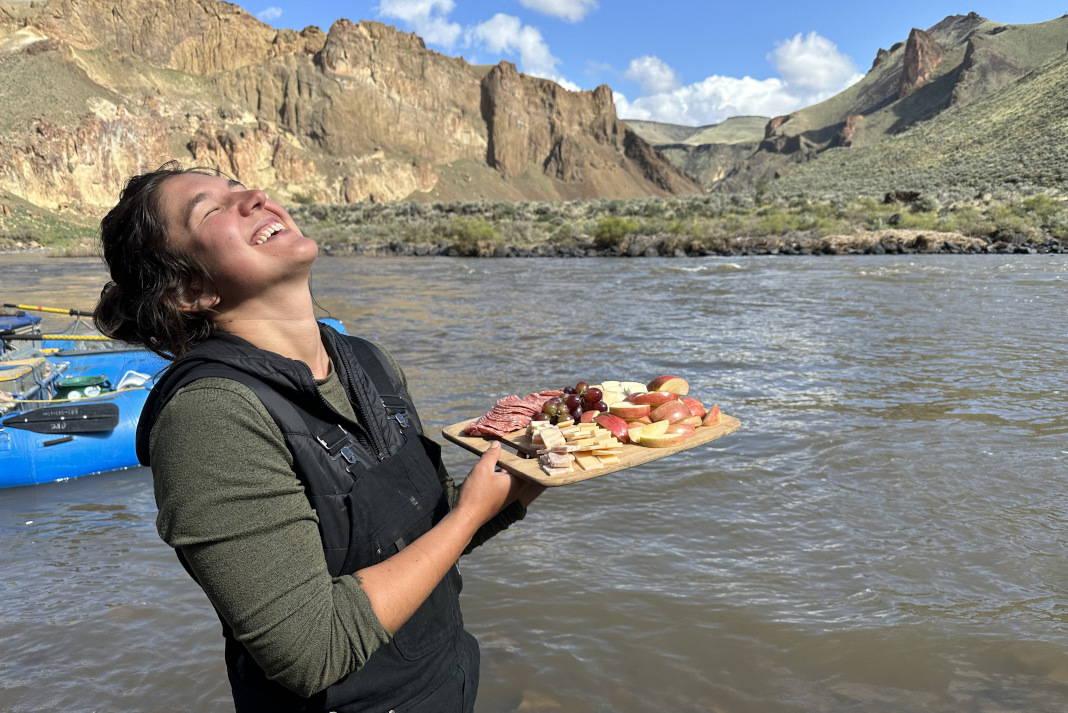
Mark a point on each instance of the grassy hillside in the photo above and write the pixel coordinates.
(735, 130)
(656, 132)
(1013, 140)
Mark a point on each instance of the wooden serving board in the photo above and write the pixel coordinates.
(629, 457)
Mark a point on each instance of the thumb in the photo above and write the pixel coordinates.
(489, 458)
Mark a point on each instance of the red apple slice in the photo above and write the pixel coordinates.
(694, 421)
(639, 421)
(674, 384)
(685, 429)
(712, 417)
(665, 440)
(615, 424)
(588, 416)
(696, 407)
(654, 398)
(671, 411)
(628, 411)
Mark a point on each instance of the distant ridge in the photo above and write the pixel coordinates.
(920, 81)
(1014, 139)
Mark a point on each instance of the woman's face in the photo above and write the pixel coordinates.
(248, 243)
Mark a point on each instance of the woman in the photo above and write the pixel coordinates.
(289, 465)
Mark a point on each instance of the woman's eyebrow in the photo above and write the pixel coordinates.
(203, 195)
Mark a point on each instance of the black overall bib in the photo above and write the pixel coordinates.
(375, 488)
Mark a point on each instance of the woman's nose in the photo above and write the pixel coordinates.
(251, 200)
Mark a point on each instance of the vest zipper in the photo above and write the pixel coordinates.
(378, 446)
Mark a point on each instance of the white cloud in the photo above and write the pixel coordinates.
(811, 70)
(269, 13)
(501, 34)
(506, 34)
(710, 101)
(813, 63)
(652, 74)
(571, 10)
(429, 18)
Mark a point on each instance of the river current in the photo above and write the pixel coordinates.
(888, 530)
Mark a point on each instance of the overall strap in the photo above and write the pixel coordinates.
(332, 437)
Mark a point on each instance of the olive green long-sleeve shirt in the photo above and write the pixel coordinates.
(229, 500)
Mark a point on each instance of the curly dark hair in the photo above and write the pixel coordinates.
(150, 281)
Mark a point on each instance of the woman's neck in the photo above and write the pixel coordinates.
(288, 329)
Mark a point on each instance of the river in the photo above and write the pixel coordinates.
(888, 531)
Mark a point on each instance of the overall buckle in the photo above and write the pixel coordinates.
(338, 443)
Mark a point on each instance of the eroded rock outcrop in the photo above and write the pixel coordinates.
(574, 136)
(922, 55)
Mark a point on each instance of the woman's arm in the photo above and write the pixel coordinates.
(229, 501)
(399, 585)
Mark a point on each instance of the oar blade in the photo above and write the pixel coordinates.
(74, 418)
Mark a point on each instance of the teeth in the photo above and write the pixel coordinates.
(267, 232)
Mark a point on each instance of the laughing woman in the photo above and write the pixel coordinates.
(289, 464)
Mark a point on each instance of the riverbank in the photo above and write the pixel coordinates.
(711, 224)
(860, 242)
(880, 242)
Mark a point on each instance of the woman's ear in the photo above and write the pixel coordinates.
(199, 298)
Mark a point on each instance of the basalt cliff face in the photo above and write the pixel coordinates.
(96, 90)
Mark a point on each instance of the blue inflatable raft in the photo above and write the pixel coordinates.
(69, 407)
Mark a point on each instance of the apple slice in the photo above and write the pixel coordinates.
(694, 421)
(639, 421)
(654, 398)
(588, 416)
(671, 411)
(712, 417)
(657, 428)
(616, 425)
(674, 384)
(634, 434)
(696, 407)
(628, 411)
(664, 440)
(685, 429)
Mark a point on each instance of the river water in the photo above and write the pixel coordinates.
(888, 531)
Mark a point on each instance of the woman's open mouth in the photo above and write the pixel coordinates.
(266, 232)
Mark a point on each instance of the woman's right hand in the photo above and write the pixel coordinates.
(486, 491)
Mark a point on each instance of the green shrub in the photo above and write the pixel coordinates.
(611, 230)
(470, 236)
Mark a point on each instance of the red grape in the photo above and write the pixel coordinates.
(592, 395)
(600, 406)
(580, 388)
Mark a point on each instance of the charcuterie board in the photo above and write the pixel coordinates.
(630, 455)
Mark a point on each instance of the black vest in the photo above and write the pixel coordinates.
(374, 487)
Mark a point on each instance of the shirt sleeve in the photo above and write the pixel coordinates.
(230, 502)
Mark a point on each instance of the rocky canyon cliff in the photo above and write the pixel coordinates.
(96, 90)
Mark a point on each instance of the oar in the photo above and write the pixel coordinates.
(75, 418)
(54, 310)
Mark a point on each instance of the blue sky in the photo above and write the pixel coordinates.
(692, 63)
